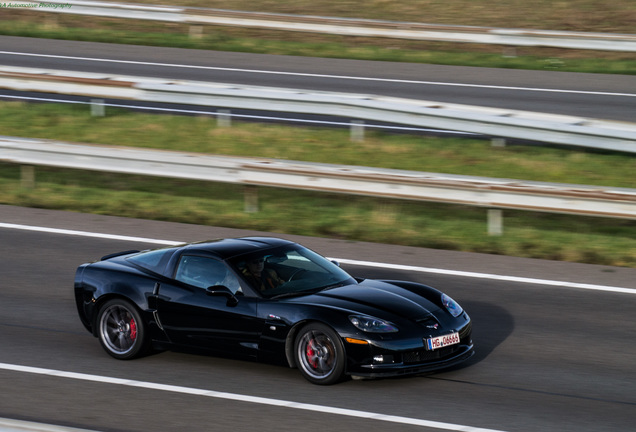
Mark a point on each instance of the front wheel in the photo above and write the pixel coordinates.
(121, 331)
(319, 354)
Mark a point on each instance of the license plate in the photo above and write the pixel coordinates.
(442, 341)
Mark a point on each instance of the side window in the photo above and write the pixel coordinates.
(205, 272)
(153, 260)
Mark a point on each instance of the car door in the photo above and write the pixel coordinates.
(195, 311)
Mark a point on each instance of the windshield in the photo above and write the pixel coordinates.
(289, 270)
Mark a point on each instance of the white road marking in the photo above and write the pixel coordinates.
(490, 276)
(212, 113)
(460, 273)
(88, 234)
(10, 425)
(245, 398)
(256, 71)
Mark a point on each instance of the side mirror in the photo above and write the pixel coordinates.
(222, 291)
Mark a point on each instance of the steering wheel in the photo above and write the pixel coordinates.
(295, 274)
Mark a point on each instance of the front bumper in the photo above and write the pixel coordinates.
(382, 360)
(411, 362)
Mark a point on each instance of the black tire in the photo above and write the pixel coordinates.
(319, 354)
(121, 331)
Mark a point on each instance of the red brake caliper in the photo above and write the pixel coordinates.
(133, 329)
(310, 352)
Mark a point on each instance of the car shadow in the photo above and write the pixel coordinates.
(492, 325)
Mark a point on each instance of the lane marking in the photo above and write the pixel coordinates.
(516, 279)
(245, 398)
(256, 71)
(213, 113)
(88, 234)
(10, 425)
(491, 276)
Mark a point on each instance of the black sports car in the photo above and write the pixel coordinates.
(271, 300)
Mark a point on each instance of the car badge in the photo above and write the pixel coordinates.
(432, 326)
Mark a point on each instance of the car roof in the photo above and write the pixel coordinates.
(228, 248)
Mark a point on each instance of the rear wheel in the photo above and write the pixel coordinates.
(121, 331)
(319, 354)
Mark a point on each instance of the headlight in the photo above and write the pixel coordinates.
(372, 325)
(452, 306)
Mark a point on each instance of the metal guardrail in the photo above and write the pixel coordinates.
(500, 123)
(491, 193)
(342, 26)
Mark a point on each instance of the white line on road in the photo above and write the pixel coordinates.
(245, 398)
(89, 234)
(256, 71)
(460, 273)
(490, 276)
(235, 115)
(11, 425)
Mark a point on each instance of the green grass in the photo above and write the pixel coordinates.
(326, 145)
(591, 240)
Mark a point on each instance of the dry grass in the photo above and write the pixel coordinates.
(613, 16)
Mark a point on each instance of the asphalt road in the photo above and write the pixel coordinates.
(549, 357)
(600, 96)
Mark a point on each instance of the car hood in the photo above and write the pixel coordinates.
(374, 298)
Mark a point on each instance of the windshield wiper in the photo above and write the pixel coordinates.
(308, 292)
(291, 294)
(336, 285)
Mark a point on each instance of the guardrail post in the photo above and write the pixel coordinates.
(195, 32)
(510, 52)
(27, 176)
(357, 130)
(51, 22)
(251, 199)
(495, 222)
(224, 118)
(97, 108)
(498, 142)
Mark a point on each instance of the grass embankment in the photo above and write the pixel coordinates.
(591, 240)
(573, 15)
